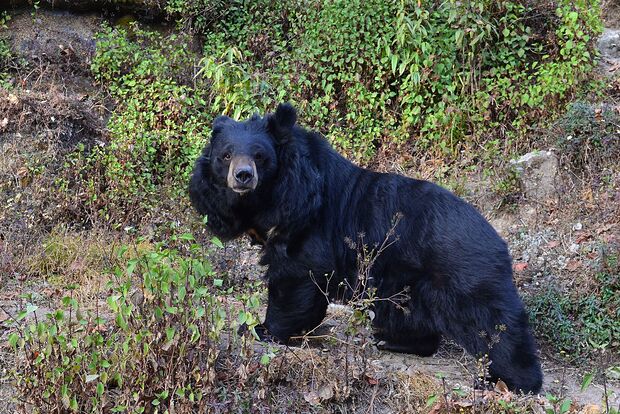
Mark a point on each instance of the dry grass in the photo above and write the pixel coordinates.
(76, 258)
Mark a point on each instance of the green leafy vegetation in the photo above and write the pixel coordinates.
(6, 55)
(439, 78)
(158, 127)
(163, 310)
(577, 324)
(199, 15)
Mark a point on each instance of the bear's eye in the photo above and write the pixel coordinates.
(258, 156)
(226, 156)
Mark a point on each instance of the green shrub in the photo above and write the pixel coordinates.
(127, 56)
(158, 126)
(366, 73)
(156, 346)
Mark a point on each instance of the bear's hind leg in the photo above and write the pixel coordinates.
(397, 331)
(510, 349)
(514, 358)
(409, 342)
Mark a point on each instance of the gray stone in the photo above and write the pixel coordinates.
(538, 172)
(609, 44)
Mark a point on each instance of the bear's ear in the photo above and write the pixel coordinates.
(281, 122)
(219, 122)
(206, 153)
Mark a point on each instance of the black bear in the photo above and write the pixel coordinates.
(288, 189)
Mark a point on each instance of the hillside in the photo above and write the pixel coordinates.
(112, 292)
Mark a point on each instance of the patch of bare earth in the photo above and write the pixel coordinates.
(611, 13)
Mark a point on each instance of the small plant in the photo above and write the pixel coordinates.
(580, 325)
(588, 134)
(507, 185)
(155, 345)
(557, 405)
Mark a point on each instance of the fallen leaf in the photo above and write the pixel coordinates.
(591, 409)
(598, 114)
(573, 265)
(372, 381)
(552, 244)
(587, 195)
(581, 237)
(501, 387)
(519, 267)
(22, 172)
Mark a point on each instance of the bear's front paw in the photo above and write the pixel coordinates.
(261, 331)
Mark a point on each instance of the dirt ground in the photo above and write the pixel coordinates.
(57, 105)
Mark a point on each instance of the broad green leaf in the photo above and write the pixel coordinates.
(587, 380)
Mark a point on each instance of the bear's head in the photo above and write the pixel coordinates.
(257, 173)
(243, 155)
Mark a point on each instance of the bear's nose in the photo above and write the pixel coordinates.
(244, 175)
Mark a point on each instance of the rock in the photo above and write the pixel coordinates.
(538, 171)
(609, 44)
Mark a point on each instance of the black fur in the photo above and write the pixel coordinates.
(310, 200)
